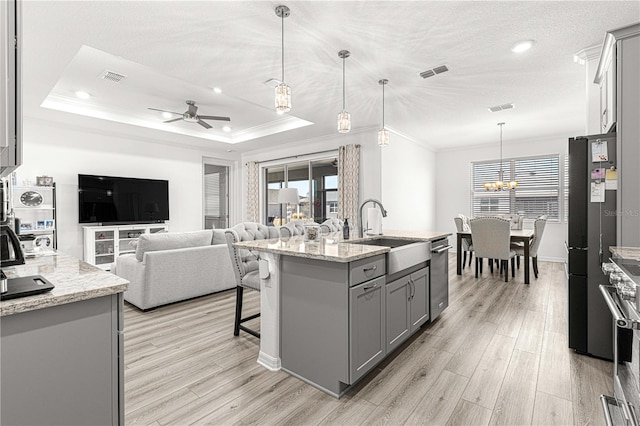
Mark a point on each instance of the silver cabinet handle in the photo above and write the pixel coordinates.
(369, 287)
(370, 268)
(441, 249)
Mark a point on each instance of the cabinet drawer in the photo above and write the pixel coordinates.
(366, 269)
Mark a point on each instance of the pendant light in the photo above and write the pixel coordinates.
(283, 92)
(344, 118)
(500, 184)
(383, 134)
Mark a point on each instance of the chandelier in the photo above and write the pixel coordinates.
(500, 184)
(283, 92)
(383, 134)
(344, 118)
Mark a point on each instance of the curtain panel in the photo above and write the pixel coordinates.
(348, 177)
(253, 192)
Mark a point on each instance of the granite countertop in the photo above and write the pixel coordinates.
(626, 253)
(74, 280)
(341, 251)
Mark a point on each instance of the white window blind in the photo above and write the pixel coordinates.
(537, 193)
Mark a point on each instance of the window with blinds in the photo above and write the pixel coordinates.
(538, 191)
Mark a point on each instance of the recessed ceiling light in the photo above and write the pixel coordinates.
(226, 128)
(522, 46)
(217, 90)
(167, 114)
(82, 95)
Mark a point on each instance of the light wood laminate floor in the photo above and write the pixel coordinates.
(497, 355)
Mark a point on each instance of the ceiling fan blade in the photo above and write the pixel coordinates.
(214, 117)
(164, 110)
(171, 121)
(203, 124)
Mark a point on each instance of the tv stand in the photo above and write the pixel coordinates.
(103, 244)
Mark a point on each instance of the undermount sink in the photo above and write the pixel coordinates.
(403, 254)
(387, 242)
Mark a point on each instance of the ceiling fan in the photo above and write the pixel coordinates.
(191, 116)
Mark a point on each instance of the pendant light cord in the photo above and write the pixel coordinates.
(343, 62)
(501, 124)
(282, 19)
(383, 106)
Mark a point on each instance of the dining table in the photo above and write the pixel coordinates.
(517, 235)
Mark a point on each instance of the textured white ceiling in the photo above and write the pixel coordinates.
(236, 46)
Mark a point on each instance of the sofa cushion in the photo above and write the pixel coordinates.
(172, 240)
(218, 237)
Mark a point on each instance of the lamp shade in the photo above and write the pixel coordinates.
(288, 196)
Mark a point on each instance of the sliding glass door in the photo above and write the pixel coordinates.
(317, 183)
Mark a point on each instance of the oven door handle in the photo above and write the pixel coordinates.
(622, 322)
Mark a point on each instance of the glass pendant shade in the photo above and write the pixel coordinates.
(383, 137)
(283, 98)
(344, 122)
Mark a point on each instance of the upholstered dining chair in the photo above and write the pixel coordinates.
(331, 225)
(538, 229)
(294, 228)
(462, 225)
(245, 266)
(490, 237)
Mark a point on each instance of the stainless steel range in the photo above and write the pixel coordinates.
(623, 299)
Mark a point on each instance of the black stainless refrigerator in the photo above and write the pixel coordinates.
(592, 229)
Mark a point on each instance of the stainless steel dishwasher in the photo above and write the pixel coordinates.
(439, 280)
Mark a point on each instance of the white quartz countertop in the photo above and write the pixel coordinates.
(74, 280)
(329, 249)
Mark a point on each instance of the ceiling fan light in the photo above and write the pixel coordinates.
(283, 98)
(383, 137)
(167, 115)
(344, 122)
(226, 129)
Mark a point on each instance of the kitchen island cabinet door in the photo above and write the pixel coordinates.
(419, 300)
(367, 327)
(398, 322)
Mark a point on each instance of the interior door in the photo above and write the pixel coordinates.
(216, 196)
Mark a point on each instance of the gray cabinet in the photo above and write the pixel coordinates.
(397, 312)
(331, 320)
(10, 86)
(407, 306)
(419, 300)
(366, 327)
(64, 364)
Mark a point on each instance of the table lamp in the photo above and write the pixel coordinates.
(288, 196)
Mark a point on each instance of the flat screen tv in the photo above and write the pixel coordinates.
(122, 200)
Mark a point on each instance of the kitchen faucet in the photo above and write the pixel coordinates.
(370, 200)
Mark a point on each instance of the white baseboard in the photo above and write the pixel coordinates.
(269, 362)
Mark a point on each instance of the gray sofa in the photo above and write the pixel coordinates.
(174, 266)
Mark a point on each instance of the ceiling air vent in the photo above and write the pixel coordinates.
(500, 107)
(437, 70)
(112, 76)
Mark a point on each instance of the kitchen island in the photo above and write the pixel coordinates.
(61, 352)
(332, 310)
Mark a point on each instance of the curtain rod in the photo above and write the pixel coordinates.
(297, 156)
